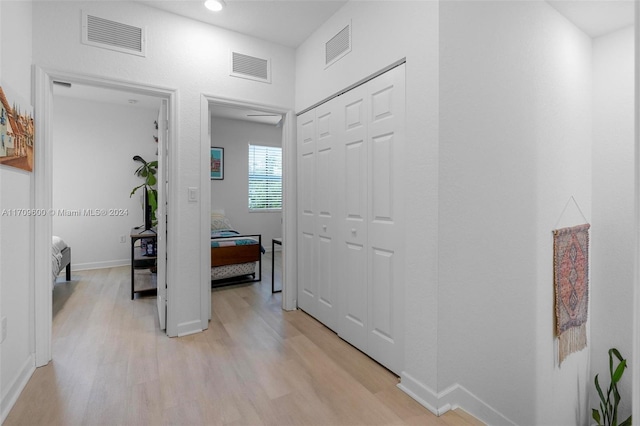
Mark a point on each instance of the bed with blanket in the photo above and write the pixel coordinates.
(235, 258)
(60, 258)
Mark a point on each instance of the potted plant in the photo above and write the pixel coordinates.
(148, 171)
(608, 413)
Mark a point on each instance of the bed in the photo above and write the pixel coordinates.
(60, 258)
(235, 258)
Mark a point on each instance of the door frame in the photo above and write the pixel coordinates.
(289, 197)
(636, 279)
(43, 189)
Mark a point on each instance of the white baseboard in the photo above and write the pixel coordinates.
(190, 327)
(99, 265)
(455, 396)
(426, 396)
(13, 391)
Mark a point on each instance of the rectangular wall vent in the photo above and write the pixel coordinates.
(251, 67)
(338, 46)
(101, 32)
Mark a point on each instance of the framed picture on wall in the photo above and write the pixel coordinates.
(17, 133)
(217, 163)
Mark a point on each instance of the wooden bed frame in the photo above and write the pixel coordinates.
(232, 255)
(66, 262)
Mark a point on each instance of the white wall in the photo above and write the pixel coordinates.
(94, 144)
(231, 193)
(515, 145)
(384, 32)
(16, 233)
(191, 57)
(613, 208)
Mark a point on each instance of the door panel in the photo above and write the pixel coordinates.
(382, 197)
(161, 213)
(306, 145)
(385, 229)
(352, 326)
(353, 323)
(326, 183)
(382, 293)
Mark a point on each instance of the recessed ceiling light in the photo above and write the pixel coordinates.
(133, 101)
(215, 5)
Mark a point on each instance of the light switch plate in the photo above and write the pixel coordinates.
(193, 194)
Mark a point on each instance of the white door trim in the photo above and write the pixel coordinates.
(289, 251)
(43, 174)
(636, 281)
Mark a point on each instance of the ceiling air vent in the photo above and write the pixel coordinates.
(338, 46)
(245, 66)
(112, 35)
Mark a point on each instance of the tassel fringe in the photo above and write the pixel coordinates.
(572, 340)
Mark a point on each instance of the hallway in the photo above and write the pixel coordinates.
(255, 365)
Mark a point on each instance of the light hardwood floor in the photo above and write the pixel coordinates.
(255, 365)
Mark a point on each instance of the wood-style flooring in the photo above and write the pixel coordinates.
(254, 365)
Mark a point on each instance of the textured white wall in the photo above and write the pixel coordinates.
(613, 208)
(16, 190)
(231, 193)
(515, 134)
(384, 32)
(183, 54)
(93, 148)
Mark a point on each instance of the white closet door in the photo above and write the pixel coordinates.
(385, 141)
(371, 314)
(353, 322)
(307, 237)
(350, 216)
(327, 184)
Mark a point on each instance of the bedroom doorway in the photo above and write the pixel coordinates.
(43, 177)
(220, 114)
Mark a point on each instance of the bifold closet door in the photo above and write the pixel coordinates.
(350, 216)
(371, 297)
(318, 221)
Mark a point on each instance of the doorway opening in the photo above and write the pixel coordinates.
(43, 178)
(222, 115)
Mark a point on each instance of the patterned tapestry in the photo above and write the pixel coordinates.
(571, 283)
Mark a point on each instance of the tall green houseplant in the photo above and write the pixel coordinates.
(148, 171)
(608, 413)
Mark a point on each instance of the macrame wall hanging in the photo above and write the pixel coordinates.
(571, 283)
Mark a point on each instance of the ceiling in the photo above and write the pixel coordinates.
(244, 114)
(290, 22)
(111, 96)
(596, 17)
(285, 22)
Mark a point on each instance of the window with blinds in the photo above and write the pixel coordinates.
(265, 178)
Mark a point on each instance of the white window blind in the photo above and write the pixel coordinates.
(265, 177)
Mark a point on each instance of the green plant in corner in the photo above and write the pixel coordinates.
(608, 413)
(148, 171)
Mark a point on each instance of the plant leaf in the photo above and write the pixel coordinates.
(626, 422)
(610, 362)
(616, 352)
(133, 191)
(617, 375)
(596, 415)
(602, 398)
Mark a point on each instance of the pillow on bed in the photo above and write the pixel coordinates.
(219, 221)
(58, 244)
